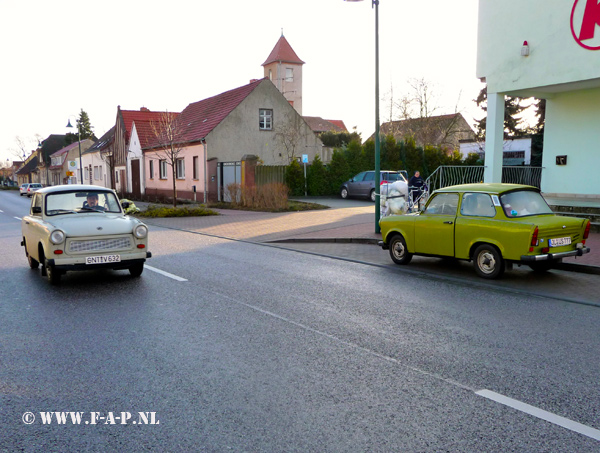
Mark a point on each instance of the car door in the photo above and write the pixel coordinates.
(367, 184)
(354, 184)
(434, 227)
(32, 228)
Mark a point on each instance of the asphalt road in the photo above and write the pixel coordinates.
(245, 347)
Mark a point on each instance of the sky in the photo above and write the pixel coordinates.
(59, 57)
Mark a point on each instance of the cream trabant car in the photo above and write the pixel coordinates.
(82, 227)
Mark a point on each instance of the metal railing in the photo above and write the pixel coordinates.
(450, 175)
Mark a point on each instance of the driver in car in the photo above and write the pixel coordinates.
(92, 202)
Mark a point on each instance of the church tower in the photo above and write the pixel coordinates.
(284, 69)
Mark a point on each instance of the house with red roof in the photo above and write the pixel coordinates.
(223, 137)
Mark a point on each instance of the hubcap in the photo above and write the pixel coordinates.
(398, 250)
(487, 263)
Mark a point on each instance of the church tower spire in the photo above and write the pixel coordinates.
(284, 68)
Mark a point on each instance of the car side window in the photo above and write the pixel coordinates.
(443, 203)
(359, 177)
(477, 204)
(370, 176)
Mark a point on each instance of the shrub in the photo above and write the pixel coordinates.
(269, 197)
(294, 177)
(317, 178)
(162, 211)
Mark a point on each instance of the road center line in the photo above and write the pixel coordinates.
(540, 413)
(166, 274)
(18, 218)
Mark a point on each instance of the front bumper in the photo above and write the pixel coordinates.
(555, 256)
(81, 266)
(383, 245)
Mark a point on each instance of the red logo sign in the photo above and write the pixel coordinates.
(585, 16)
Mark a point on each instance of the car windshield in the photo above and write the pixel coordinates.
(81, 202)
(523, 203)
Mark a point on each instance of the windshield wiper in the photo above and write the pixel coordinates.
(87, 208)
(61, 211)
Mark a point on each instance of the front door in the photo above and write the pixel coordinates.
(135, 178)
(434, 227)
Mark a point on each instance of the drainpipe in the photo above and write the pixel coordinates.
(203, 141)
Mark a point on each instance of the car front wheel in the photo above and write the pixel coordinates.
(344, 193)
(398, 251)
(488, 261)
(136, 270)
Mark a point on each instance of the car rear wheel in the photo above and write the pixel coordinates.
(398, 251)
(543, 266)
(488, 261)
(33, 263)
(372, 195)
(136, 270)
(344, 193)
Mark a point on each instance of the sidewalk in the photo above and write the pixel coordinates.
(339, 227)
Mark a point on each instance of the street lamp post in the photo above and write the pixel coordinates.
(79, 143)
(375, 4)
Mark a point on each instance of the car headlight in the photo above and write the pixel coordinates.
(140, 231)
(57, 237)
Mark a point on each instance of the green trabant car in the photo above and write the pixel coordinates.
(490, 224)
(82, 227)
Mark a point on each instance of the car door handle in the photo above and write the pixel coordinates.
(449, 222)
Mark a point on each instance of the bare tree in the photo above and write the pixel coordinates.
(168, 141)
(109, 156)
(24, 146)
(289, 134)
(417, 112)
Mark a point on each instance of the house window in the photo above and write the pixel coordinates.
(96, 173)
(289, 74)
(163, 169)
(180, 169)
(151, 169)
(116, 177)
(195, 167)
(265, 122)
(270, 74)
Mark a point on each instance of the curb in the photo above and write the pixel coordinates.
(569, 267)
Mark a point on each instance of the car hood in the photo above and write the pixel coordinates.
(95, 224)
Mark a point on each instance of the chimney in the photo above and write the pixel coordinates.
(144, 109)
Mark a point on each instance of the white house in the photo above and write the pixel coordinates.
(549, 50)
(516, 151)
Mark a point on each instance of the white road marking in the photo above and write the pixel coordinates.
(540, 413)
(166, 274)
(18, 218)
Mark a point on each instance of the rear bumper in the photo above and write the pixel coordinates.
(125, 264)
(555, 256)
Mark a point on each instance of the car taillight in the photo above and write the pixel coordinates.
(383, 182)
(534, 237)
(586, 233)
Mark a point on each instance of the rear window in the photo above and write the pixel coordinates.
(522, 203)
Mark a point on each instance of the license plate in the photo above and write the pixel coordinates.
(102, 259)
(557, 242)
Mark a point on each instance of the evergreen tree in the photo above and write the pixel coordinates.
(317, 178)
(84, 129)
(512, 108)
(294, 178)
(339, 172)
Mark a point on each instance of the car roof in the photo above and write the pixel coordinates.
(494, 188)
(74, 188)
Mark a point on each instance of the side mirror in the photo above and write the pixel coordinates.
(36, 210)
(124, 204)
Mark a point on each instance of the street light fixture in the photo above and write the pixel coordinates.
(79, 143)
(375, 4)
